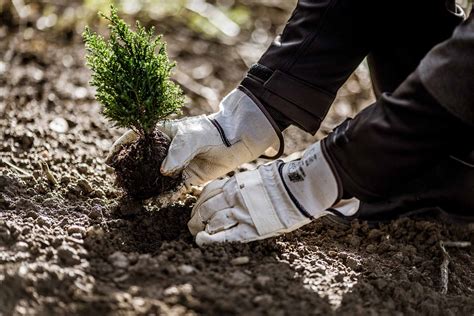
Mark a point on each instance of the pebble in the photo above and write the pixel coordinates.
(56, 242)
(65, 180)
(95, 232)
(240, 261)
(74, 229)
(95, 213)
(186, 269)
(42, 221)
(21, 246)
(68, 255)
(352, 263)
(119, 260)
(262, 281)
(371, 248)
(380, 283)
(239, 278)
(77, 236)
(82, 168)
(265, 299)
(32, 214)
(85, 186)
(4, 234)
(59, 125)
(121, 278)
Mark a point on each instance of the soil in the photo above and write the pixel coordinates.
(71, 244)
(137, 167)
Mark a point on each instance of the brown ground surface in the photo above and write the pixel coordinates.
(70, 245)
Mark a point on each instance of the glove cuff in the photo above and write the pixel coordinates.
(276, 150)
(310, 182)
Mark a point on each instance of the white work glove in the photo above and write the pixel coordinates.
(207, 147)
(273, 199)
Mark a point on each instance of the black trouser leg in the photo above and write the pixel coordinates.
(405, 36)
(447, 188)
(396, 146)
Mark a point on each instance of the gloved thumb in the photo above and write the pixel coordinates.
(129, 137)
(169, 128)
(180, 153)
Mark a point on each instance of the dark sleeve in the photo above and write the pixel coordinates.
(399, 137)
(297, 78)
(447, 72)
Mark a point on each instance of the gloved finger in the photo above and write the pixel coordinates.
(222, 220)
(195, 136)
(204, 212)
(181, 151)
(207, 209)
(197, 222)
(238, 233)
(200, 171)
(128, 137)
(168, 127)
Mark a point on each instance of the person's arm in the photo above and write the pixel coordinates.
(429, 117)
(297, 78)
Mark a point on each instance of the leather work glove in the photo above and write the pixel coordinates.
(273, 199)
(207, 147)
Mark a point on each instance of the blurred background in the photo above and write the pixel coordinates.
(214, 42)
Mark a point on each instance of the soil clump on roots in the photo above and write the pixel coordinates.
(137, 167)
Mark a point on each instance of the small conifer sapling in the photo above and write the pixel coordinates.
(131, 72)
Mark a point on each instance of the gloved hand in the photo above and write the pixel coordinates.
(273, 199)
(207, 147)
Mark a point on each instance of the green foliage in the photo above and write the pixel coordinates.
(131, 72)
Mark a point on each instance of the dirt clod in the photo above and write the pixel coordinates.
(137, 167)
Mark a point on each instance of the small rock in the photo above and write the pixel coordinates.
(21, 246)
(4, 234)
(339, 277)
(95, 213)
(59, 125)
(85, 186)
(74, 229)
(32, 214)
(94, 232)
(77, 236)
(380, 283)
(27, 140)
(239, 278)
(119, 260)
(65, 180)
(98, 193)
(240, 261)
(371, 248)
(262, 281)
(68, 255)
(56, 242)
(121, 278)
(82, 168)
(353, 264)
(186, 269)
(42, 221)
(398, 256)
(264, 299)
